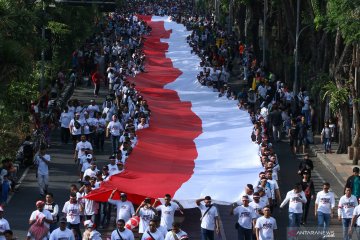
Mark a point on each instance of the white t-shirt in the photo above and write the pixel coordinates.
(65, 119)
(125, 210)
(91, 207)
(357, 213)
(44, 214)
(4, 225)
(146, 214)
(180, 234)
(90, 172)
(112, 169)
(57, 234)
(86, 165)
(72, 212)
(246, 215)
(167, 214)
(74, 130)
(156, 235)
(257, 207)
(346, 206)
(43, 168)
(266, 227)
(325, 201)
(296, 201)
(81, 146)
(141, 126)
(115, 128)
(126, 234)
(208, 221)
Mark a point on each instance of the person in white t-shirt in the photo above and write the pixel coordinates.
(125, 233)
(91, 171)
(142, 124)
(246, 218)
(75, 128)
(209, 218)
(112, 165)
(152, 233)
(114, 129)
(324, 207)
(4, 224)
(62, 233)
(346, 206)
(146, 212)
(297, 199)
(42, 217)
(81, 147)
(176, 233)
(64, 121)
(72, 210)
(92, 108)
(355, 221)
(168, 210)
(91, 207)
(125, 209)
(265, 226)
(257, 205)
(42, 160)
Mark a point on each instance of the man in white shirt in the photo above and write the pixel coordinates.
(64, 121)
(75, 128)
(121, 233)
(347, 204)
(324, 207)
(114, 129)
(209, 218)
(168, 210)
(92, 108)
(40, 215)
(257, 205)
(81, 147)
(42, 160)
(62, 233)
(176, 233)
(355, 221)
(125, 209)
(92, 171)
(152, 232)
(297, 198)
(246, 218)
(265, 226)
(146, 212)
(112, 165)
(4, 224)
(72, 210)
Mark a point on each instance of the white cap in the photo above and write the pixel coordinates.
(89, 156)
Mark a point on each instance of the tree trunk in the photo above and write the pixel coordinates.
(344, 129)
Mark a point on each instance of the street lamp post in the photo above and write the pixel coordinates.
(295, 85)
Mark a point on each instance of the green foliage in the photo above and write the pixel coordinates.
(337, 96)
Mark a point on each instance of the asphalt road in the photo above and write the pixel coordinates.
(63, 173)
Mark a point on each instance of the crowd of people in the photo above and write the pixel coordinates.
(115, 54)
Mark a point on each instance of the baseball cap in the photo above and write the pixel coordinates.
(123, 194)
(89, 156)
(88, 224)
(63, 220)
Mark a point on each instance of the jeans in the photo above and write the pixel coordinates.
(327, 144)
(65, 135)
(207, 234)
(294, 219)
(323, 221)
(115, 143)
(345, 224)
(43, 182)
(244, 233)
(99, 140)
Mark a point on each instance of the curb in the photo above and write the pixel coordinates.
(327, 164)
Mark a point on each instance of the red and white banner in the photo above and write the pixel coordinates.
(198, 144)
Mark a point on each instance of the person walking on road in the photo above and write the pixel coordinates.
(125, 209)
(152, 232)
(265, 226)
(347, 204)
(246, 220)
(297, 199)
(39, 219)
(121, 232)
(53, 208)
(72, 210)
(42, 161)
(209, 218)
(62, 232)
(324, 207)
(64, 121)
(168, 210)
(176, 233)
(4, 224)
(309, 191)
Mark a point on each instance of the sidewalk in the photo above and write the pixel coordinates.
(339, 164)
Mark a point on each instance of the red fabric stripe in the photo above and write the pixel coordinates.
(164, 156)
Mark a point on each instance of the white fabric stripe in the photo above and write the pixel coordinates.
(227, 159)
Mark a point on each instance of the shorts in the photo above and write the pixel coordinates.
(302, 141)
(75, 137)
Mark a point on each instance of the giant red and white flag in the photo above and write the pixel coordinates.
(198, 144)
